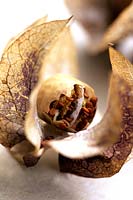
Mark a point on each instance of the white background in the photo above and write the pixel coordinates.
(15, 15)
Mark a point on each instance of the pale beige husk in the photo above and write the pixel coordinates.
(37, 54)
(117, 154)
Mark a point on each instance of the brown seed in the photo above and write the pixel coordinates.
(84, 109)
(68, 98)
(93, 100)
(86, 95)
(89, 105)
(52, 111)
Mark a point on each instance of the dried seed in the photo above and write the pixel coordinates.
(66, 111)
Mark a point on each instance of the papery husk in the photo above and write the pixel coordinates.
(61, 58)
(95, 140)
(20, 64)
(116, 155)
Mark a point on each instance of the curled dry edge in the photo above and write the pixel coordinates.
(113, 158)
(40, 109)
(19, 71)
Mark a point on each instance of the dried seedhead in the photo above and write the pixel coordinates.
(113, 157)
(31, 97)
(66, 102)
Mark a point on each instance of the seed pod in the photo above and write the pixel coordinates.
(20, 67)
(114, 157)
(66, 102)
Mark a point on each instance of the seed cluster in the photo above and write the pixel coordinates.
(66, 113)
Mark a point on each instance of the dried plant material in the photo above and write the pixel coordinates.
(115, 156)
(94, 141)
(27, 62)
(19, 67)
(66, 102)
(20, 150)
(121, 66)
(61, 58)
(105, 21)
(119, 29)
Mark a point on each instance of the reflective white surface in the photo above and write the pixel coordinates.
(44, 181)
